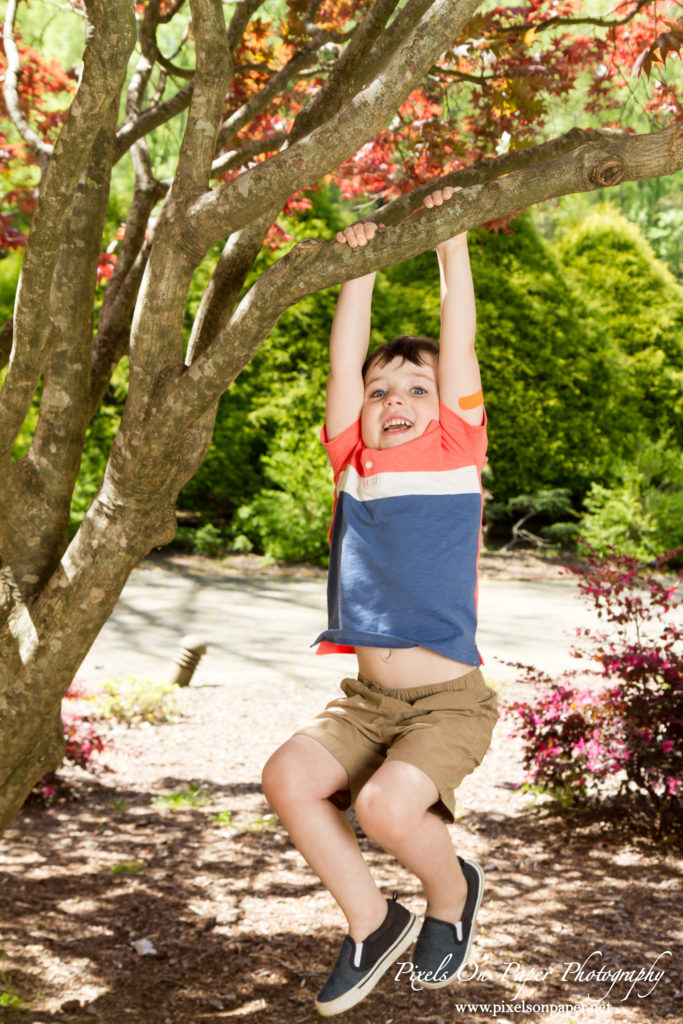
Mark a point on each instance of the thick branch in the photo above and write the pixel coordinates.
(606, 159)
(234, 204)
(214, 66)
(339, 85)
(226, 282)
(109, 43)
(39, 513)
(113, 327)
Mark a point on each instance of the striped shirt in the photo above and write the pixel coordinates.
(404, 542)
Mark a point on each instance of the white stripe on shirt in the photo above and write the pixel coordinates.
(398, 485)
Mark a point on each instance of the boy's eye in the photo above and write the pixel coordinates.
(418, 391)
(378, 393)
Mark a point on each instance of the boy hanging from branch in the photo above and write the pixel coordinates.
(405, 432)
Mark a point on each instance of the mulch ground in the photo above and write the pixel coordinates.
(118, 907)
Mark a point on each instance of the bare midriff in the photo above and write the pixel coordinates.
(407, 667)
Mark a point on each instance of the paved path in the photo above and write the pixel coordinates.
(255, 626)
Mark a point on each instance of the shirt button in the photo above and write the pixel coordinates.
(368, 464)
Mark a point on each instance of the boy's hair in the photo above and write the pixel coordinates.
(410, 347)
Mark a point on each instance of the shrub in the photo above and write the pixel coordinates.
(132, 701)
(291, 523)
(581, 742)
(641, 512)
(83, 742)
(208, 540)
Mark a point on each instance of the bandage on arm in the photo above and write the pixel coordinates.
(471, 401)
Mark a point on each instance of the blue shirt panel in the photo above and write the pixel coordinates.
(409, 571)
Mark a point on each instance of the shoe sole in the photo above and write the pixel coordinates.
(366, 985)
(449, 981)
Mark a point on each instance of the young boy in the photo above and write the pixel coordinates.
(405, 433)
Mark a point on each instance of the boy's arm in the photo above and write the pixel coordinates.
(349, 341)
(459, 377)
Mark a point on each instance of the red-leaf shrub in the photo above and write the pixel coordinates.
(626, 735)
(83, 742)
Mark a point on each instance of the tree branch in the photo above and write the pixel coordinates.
(339, 85)
(113, 326)
(151, 118)
(54, 456)
(110, 40)
(226, 282)
(303, 58)
(214, 65)
(232, 206)
(41, 149)
(605, 159)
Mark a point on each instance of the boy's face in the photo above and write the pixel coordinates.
(401, 400)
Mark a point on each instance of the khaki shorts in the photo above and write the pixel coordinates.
(443, 729)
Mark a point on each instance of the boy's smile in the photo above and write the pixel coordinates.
(401, 400)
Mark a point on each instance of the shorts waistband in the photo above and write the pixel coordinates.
(468, 681)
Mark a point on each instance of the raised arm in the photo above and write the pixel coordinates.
(349, 341)
(459, 378)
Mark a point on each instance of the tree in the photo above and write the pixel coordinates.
(301, 102)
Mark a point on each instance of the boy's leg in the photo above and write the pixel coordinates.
(392, 809)
(297, 781)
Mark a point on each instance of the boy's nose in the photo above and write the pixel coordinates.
(393, 397)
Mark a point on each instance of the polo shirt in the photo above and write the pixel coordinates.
(405, 540)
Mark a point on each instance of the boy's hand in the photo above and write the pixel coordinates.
(437, 198)
(358, 234)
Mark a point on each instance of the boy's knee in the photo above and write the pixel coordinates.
(381, 814)
(279, 776)
(300, 770)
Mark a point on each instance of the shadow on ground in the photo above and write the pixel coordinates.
(242, 930)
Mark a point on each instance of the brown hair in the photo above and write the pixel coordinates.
(410, 347)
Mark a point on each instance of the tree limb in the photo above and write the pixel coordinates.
(150, 118)
(41, 149)
(339, 84)
(605, 159)
(214, 65)
(110, 41)
(231, 206)
(114, 322)
(226, 282)
(251, 147)
(303, 58)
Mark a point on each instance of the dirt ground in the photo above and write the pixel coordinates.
(116, 906)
